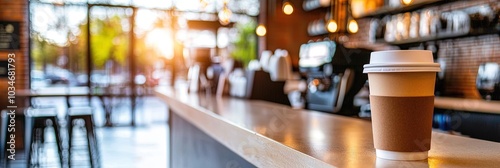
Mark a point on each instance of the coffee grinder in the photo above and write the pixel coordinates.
(334, 75)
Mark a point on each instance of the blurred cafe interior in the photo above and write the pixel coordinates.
(236, 83)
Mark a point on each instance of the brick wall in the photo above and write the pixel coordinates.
(16, 10)
(462, 56)
(289, 31)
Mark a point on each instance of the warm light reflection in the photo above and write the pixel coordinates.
(259, 129)
(406, 2)
(261, 30)
(315, 131)
(160, 41)
(353, 26)
(332, 26)
(353, 145)
(317, 134)
(287, 8)
(290, 140)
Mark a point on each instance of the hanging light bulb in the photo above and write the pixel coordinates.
(332, 26)
(287, 8)
(261, 30)
(225, 15)
(353, 27)
(406, 2)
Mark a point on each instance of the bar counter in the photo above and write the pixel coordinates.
(272, 135)
(471, 105)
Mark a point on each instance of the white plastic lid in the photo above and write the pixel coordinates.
(401, 56)
(401, 61)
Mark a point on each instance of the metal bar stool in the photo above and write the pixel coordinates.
(85, 114)
(35, 125)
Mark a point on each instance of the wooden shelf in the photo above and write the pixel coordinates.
(440, 36)
(387, 10)
(469, 105)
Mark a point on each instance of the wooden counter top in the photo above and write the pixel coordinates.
(272, 135)
(471, 105)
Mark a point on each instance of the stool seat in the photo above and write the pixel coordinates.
(80, 111)
(36, 122)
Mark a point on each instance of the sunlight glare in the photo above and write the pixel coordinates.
(160, 40)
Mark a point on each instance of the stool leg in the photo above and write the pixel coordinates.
(58, 139)
(33, 147)
(39, 144)
(91, 141)
(38, 140)
(70, 141)
(29, 134)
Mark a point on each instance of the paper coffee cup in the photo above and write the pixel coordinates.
(402, 102)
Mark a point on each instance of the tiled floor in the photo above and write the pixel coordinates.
(121, 146)
(143, 146)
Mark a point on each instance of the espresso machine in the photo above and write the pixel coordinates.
(334, 75)
(488, 80)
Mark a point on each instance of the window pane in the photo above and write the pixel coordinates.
(58, 38)
(110, 34)
(159, 4)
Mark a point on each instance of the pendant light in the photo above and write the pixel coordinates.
(287, 7)
(225, 14)
(352, 24)
(261, 30)
(332, 25)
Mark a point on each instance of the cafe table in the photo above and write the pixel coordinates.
(218, 131)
